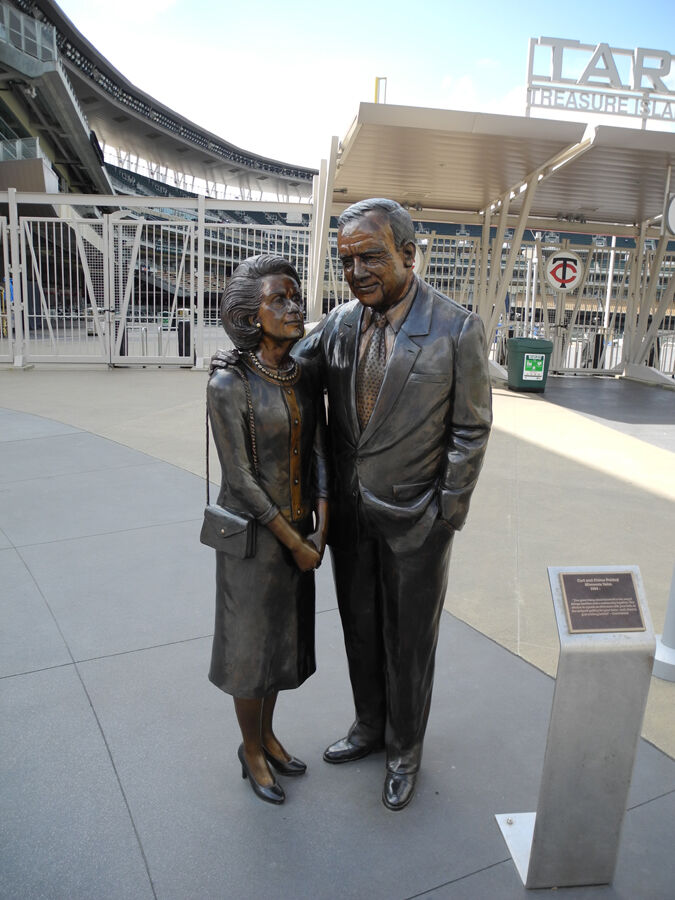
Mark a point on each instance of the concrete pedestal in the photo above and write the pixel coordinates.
(596, 718)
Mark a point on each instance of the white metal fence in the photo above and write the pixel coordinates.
(144, 286)
(225, 246)
(125, 292)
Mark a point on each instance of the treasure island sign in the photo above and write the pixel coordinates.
(589, 78)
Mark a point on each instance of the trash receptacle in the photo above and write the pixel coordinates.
(184, 329)
(528, 360)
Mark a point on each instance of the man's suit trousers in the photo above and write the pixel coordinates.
(390, 605)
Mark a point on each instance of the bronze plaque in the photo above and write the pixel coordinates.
(601, 601)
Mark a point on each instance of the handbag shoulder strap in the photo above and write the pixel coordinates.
(251, 427)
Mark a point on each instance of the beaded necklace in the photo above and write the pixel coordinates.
(288, 376)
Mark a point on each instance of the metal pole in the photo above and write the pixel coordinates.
(535, 272)
(199, 336)
(317, 222)
(528, 284)
(630, 319)
(16, 296)
(610, 283)
(315, 310)
(482, 287)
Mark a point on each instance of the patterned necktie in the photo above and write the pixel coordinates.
(370, 372)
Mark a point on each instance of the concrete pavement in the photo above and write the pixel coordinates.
(120, 774)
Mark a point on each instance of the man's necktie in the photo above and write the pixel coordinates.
(370, 373)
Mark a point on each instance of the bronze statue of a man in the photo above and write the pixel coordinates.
(409, 417)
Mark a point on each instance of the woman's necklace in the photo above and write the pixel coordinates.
(279, 376)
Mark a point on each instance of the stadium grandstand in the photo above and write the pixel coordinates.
(81, 106)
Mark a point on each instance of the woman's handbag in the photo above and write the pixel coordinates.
(223, 529)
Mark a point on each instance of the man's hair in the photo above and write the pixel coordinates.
(241, 299)
(399, 219)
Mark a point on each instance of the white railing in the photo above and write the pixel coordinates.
(21, 148)
(143, 284)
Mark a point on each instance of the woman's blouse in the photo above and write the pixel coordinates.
(290, 442)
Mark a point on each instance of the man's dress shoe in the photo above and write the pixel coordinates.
(398, 790)
(344, 750)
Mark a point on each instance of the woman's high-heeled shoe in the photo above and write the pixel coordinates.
(270, 793)
(292, 766)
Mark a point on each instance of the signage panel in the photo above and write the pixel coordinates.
(567, 75)
(670, 214)
(601, 601)
(564, 270)
(533, 367)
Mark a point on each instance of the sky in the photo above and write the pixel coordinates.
(280, 78)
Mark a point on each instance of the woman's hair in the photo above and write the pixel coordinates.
(241, 300)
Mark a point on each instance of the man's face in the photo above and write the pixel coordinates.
(378, 272)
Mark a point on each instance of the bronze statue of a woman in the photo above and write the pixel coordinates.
(264, 629)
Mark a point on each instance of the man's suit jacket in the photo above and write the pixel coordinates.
(420, 454)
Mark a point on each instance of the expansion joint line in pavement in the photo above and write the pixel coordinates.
(436, 887)
(98, 724)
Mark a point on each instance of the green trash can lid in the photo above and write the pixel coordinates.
(538, 345)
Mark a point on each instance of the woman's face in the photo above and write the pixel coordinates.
(280, 311)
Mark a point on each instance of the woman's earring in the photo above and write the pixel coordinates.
(258, 325)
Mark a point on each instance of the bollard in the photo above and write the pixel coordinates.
(664, 661)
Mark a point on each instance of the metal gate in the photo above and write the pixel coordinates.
(152, 278)
(102, 290)
(63, 285)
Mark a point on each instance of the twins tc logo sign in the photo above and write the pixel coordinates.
(564, 270)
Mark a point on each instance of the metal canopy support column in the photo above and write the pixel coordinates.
(498, 283)
(514, 250)
(648, 297)
(630, 324)
(315, 305)
(495, 267)
(317, 192)
(482, 287)
(657, 319)
(647, 333)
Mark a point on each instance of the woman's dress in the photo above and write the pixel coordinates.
(264, 630)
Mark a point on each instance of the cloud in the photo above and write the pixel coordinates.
(464, 93)
(459, 93)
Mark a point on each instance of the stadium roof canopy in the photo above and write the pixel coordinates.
(441, 162)
(126, 118)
